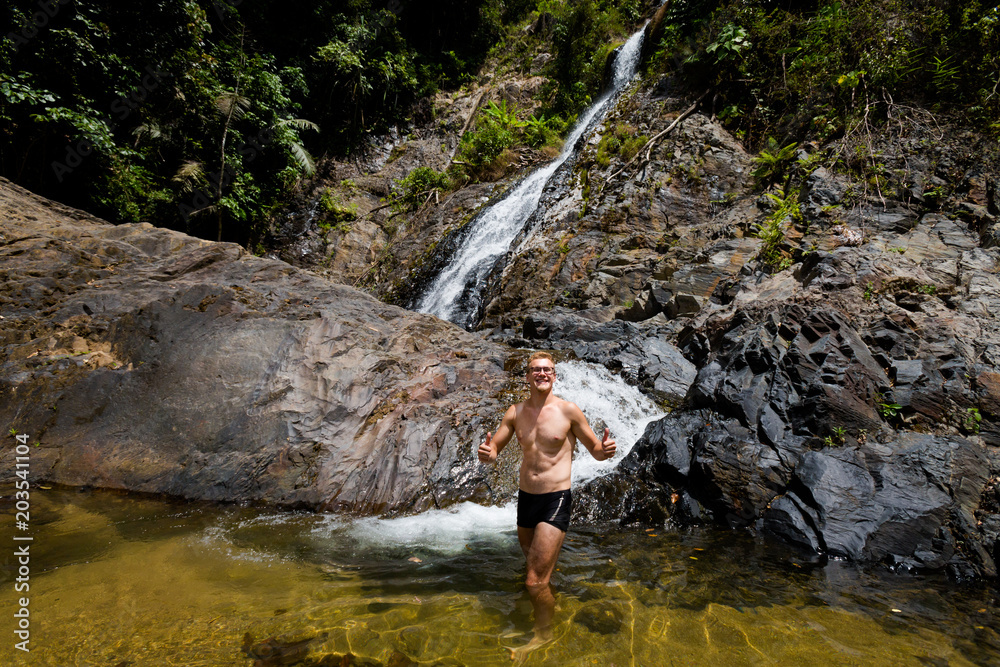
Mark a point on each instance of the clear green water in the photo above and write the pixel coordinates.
(119, 580)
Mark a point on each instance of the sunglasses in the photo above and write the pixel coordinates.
(542, 370)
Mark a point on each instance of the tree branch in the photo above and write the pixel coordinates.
(648, 147)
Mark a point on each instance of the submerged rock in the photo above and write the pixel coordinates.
(144, 359)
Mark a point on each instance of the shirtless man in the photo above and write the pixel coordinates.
(547, 428)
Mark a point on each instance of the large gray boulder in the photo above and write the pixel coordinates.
(796, 427)
(147, 360)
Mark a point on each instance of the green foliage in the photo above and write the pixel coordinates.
(772, 161)
(772, 231)
(337, 215)
(815, 67)
(887, 409)
(869, 291)
(971, 420)
(201, 115)
(837, 437)
(417, 186)
(502, 115)
(585, 34)
(367, 65)
(621, 141)
(731, 41)
(498, 128)
(541, 131)
(485, 144)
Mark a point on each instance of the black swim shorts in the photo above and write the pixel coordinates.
(536, 508)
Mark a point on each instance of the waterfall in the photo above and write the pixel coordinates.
(605, 399)
(456, 293)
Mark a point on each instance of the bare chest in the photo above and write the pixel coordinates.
(545, 431)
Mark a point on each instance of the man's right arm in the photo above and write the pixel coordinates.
(490, 450)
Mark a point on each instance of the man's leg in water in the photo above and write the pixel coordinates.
(541, 546)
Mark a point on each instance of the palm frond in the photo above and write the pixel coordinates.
(299, 124)
(189, 174)
(231, 102)
(303, 157)
(149, 130)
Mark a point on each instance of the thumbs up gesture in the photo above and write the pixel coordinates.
(486, 452)
(607, 444)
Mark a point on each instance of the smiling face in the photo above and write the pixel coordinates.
(541, 374)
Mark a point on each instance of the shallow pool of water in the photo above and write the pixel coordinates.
(120, 580)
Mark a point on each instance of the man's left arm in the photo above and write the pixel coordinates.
(601, 449)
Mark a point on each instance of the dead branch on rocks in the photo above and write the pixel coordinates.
(430, 193)
(647, 149)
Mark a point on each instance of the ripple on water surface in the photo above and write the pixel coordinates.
(144, 582)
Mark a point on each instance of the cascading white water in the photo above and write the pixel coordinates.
(455, 292)
(603, 397)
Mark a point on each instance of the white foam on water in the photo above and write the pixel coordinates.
(601, 395)
(217, 538)
(444, 531)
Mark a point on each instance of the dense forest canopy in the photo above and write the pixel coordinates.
(201, 116)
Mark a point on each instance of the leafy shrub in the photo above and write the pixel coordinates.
(621, 141)
(540, 131)
(338, 215)
(772, 230)
(485, 144)
(813, 67)
(416, 186)
(771, 161)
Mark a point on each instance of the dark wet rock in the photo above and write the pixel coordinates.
(659, 368)
(561, 326)
(908, 503)
(791, 429)
(807, 371)
(277, 651)
(622, 498)
(654, 31)
(823, 189)
(274, 651)
(148, 360)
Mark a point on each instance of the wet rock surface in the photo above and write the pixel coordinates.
(148, 360)
(843, 436)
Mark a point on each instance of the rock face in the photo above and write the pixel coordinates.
(843, 440)
(148, 360)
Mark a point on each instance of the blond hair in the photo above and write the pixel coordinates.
(540, 355)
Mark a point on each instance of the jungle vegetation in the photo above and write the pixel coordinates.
(201, 115)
